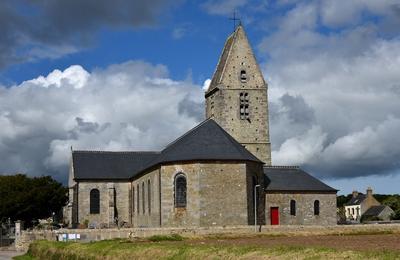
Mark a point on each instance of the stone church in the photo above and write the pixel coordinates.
(217, 174)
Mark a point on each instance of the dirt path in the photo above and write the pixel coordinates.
(7, 255)
(348, 242)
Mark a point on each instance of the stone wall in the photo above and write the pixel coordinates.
(114, 203)
(223, 200)
(216, 195)
(170, 215)
(304, 208)
(86, 235)
(255, 175)
(145, 213)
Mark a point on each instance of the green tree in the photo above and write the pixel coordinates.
(343, 199)
(28, 199)
(393, 201)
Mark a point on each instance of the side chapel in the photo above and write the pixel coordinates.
(213, 175)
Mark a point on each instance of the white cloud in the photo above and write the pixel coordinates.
(342, 82)
(206, 84)
(341, 13)
(74, 76)
(300, 149)
(129, 106)
(223, 7)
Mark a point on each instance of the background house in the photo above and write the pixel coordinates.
(366, 206)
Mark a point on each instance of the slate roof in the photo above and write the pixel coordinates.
(357, 200)
(110, 165)
(292, 178)
(374, 211)
(207, 141)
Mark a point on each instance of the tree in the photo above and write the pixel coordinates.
(393, 201)
(342, 199)
(28, 199)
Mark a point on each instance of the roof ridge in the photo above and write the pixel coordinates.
(230, 38)
(282, 166)
(235, 142)
(229, 52)
(121, 152)
(185, 134)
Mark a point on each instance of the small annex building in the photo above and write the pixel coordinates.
(217, 174)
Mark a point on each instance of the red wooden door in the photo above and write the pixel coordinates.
(274, 216)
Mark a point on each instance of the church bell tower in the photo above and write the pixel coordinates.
(237, 96)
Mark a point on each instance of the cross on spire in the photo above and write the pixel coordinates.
(234, 18)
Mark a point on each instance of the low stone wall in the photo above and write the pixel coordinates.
(87, 235)
(23, 241)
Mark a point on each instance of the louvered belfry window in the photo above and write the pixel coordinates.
(243, 76)
(180, 191)
(244, 105)
(94, 201)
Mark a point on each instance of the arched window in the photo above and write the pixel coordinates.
(316, 208)
(149, 195)
(133, 199)
(243, 76)
(94, 201)
(137, 199)
(293, 207)
(180, 191)
(143, 202)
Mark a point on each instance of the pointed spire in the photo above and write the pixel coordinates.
(235, 42)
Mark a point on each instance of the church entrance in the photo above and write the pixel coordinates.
(274, 215)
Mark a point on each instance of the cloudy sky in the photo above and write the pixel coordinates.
(128, 75)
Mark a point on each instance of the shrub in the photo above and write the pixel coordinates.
(158, 238)
(370, 218)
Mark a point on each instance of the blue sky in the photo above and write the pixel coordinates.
(128, 75)
(186, 39)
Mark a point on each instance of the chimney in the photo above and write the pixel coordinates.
(355, 193)
(369, 192)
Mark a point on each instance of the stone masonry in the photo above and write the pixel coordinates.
(224, 96)
(304, 208)
(114, 203)
(216, 194)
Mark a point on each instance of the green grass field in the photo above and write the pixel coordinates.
(175, 247)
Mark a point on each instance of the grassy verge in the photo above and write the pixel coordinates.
(299, 233)
(124, 249)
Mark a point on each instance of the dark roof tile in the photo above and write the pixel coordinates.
(207, 141)
(110, 165)
(357, 200)
(374, 211)
(292, 178)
